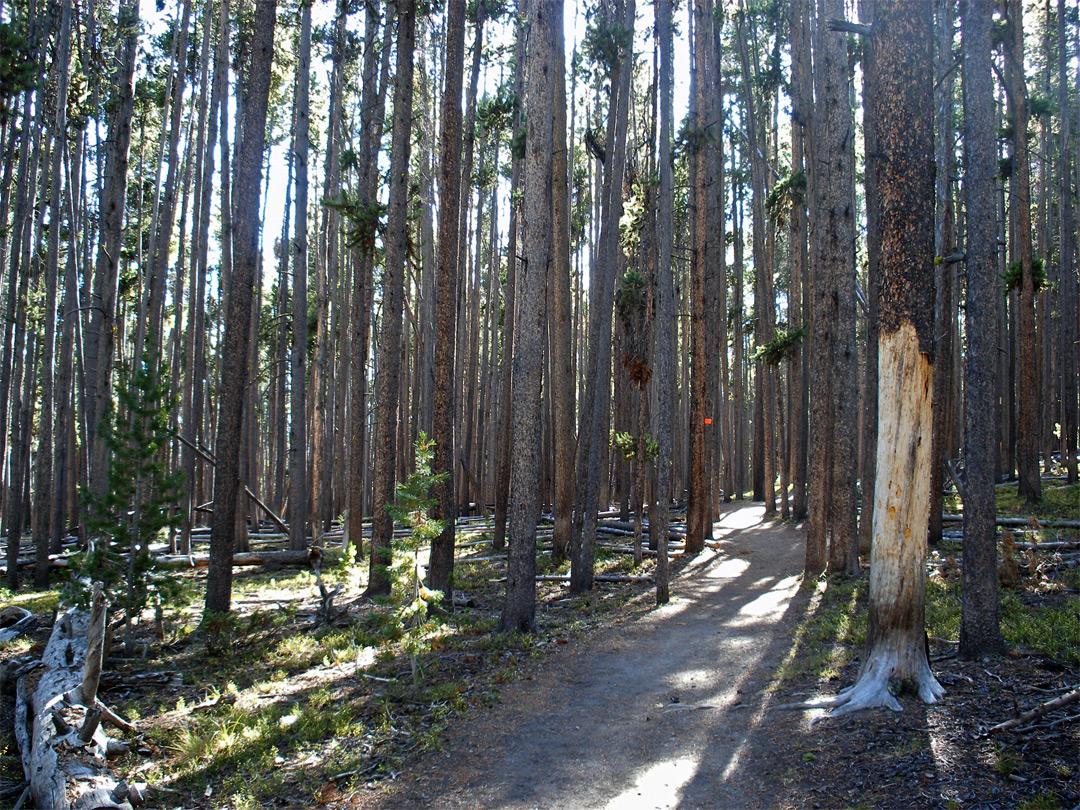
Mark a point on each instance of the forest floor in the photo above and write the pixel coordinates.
(673, 711)
(611, 704)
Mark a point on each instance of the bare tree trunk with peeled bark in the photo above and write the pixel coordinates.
(903, 108)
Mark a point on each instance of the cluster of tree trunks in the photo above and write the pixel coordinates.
(556, 257)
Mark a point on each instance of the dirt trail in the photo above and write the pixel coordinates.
(665, 712)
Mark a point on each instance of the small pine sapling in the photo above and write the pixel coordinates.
(139, 501)
(410, 598)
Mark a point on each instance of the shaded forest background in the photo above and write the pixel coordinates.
(704, 325)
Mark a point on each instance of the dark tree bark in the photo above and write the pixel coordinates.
(665, 309)
(595, 409)
(375, 78)
(943, 303)
(979, 629)
(234, 353)
(299, 512)
(832, 531)
(100, 337)
(519, 611)
(561, 316)
(802, 91)
(388, 374)
(441, 567)
(1067, 251)
(1027, 389)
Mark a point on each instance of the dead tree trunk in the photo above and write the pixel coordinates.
(59, 725)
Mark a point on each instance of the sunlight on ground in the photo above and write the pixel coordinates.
(728, 569)
(770, 606)
(658, 787)
(739, 519)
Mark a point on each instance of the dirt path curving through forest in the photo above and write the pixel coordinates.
(665, 712)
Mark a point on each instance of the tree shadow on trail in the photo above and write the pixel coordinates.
(667, 711)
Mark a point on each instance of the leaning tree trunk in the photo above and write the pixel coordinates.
(896, 647)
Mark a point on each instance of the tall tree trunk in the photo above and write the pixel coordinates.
(502, 457)
(43, 490)
(903, 107)
(234, 352)
(697, 512)
(562, 378)
(100, 337)
(979, 629)
(389, 368)
(833, 427)
(299, 512)
(519, 611)
(873, 260)
(372, 118)
(1027, 426)
(943, 303)
(446, 296)
(802, 91)
(595, 408)
(1068, 295)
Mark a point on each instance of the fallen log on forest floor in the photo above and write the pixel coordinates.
(1045, 708)
(15, 621)
(597, 578)
(1018, 521)
(302, 557)
(58, 725)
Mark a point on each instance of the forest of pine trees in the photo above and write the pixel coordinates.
(365, 276)
(609, 256)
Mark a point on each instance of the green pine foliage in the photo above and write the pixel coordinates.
(140, 500)
(410, 598)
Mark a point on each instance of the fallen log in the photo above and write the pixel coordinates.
(1038, 711)
(15, 621)
(64, 748)
(597, 578)
(300, 557)
(1018, 521)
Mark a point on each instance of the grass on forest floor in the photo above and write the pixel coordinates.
(1060, 501)
(268, 702)
(1041, 615)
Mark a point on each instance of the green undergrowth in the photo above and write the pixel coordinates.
(1060, 501)
(273, 702)
(1041, 616)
